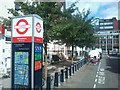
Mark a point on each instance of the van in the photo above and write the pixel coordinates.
(94, 53)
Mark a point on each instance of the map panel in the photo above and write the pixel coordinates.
(21, 68)
(21, 57)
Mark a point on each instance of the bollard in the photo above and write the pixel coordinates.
(48, 83)
(75, 67)
(78, 65)
(85, 61)
(57, 79)
(81, 64)
(66, 73)
(70, 71)
(62, 76)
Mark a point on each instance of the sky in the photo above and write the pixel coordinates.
(99, 8)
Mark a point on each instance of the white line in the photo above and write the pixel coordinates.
(99, 66)
(96, 75)
(96, 80)
(102, 69)
(94, 86)
(101, 73)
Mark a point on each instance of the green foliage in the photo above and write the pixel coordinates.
(49, 11)
(74, 29)
(70, 27)
(5, 21)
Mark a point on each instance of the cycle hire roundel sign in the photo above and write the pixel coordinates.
(22, 29)
(38, 30)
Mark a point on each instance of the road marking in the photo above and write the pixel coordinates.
(96, 75)
(101, 80)
(102, 69)
(96, 80)
(101, 73)
(94, 86)
(99, 66)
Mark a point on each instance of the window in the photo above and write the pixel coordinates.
(108, 27)
(101, 23)
(8, 39)
(109, 42)
(6, 65)
(116, 36)
(108, 23)
(101, 27)
(116, 41)
(3, 50)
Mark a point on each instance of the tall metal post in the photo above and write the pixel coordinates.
(112, 42)
(119, 42)
(106, 43)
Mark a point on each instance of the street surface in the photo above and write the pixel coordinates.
(104, 75)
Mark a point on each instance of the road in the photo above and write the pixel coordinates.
(104, 75)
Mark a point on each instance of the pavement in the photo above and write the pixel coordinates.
(104, 75)
(6, 82)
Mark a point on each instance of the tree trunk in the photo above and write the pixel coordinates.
(45, 48)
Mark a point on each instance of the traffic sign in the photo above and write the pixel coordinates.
(38, 30)
(22, 26)
(22, 29)
(38, 27)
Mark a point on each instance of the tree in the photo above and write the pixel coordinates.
(5, 21)
(49, 11)
(74, 29)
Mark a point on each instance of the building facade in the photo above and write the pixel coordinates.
(108, 35)
(5, 52)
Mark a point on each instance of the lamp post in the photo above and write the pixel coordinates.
(119, 42)
(106, 43)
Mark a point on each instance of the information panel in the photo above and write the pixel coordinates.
(27, 52)
(21, 62)
(38, 49)
(21, 68)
